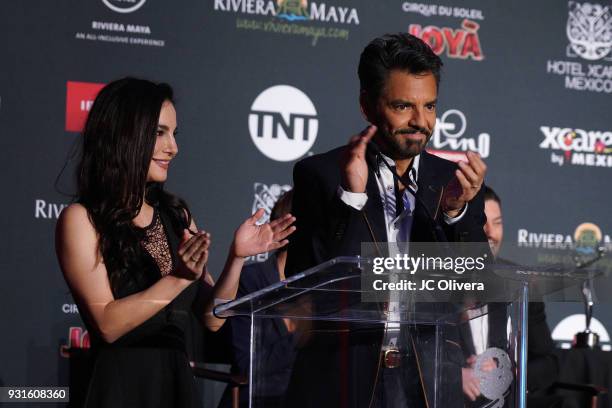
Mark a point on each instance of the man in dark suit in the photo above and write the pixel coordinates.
(382, 187)
(541, 363)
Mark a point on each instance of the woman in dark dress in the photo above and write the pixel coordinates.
(133, 257)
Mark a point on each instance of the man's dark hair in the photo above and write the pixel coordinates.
(400, 51)
(489, 194)
(281, 208)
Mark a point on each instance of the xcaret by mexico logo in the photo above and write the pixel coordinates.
(292, 17)
(283, 123)
(79, 98)
(577, 147)
(589, 35)
(449, 138)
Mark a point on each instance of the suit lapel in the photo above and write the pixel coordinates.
(373, 209)
(427, 203)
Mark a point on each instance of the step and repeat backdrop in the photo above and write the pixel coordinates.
(262, 83)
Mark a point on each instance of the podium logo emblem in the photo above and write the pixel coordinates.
(589, 30)
(283, 123)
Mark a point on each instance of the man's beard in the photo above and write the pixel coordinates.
(402, 149)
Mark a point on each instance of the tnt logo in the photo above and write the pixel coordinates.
(283, 123)
(79, 98)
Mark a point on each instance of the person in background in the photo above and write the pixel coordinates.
(276, 340)
(542, 365)
(133, 257)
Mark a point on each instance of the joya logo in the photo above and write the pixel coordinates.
(462, 43)
(283, 123)
(124, 6)
(447, 135)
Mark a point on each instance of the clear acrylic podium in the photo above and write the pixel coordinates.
(316, 341)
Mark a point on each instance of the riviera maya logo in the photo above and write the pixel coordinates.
(587, 238)
(292, 17)
(589, 30)
(293, 10)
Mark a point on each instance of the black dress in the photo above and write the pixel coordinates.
(148, 366)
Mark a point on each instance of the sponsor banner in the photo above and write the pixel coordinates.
(79, 98)
(459, 42)
(577, 147)
(589, 49)
(303, 18)
(449, 139)
(283, 123)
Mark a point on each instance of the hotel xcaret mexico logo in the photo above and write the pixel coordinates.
(304, 18)
(589, 34)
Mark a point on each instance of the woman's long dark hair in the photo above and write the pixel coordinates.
(117, 148)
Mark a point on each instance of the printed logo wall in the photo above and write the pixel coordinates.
(283, 121)
(589, 35)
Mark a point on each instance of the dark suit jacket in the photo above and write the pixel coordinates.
(327, 228)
